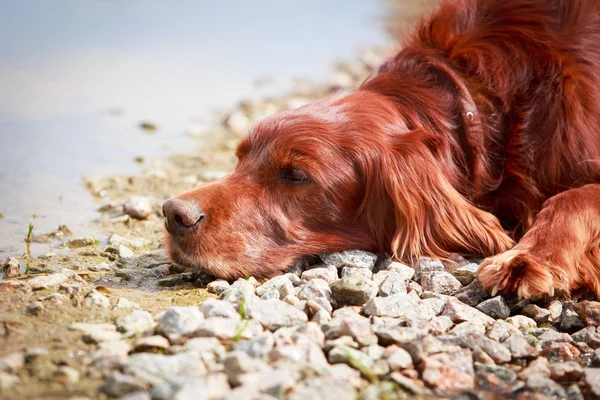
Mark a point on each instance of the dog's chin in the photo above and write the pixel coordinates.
(231, 268)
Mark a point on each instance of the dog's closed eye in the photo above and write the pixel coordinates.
(294, 176)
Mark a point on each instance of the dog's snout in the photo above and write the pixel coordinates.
(182, 215)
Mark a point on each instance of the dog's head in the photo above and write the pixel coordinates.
(345, 172)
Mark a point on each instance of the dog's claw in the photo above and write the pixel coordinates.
(495, 290)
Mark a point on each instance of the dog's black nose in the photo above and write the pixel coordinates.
(182, 215)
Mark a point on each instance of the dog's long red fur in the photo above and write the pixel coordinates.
(484, 130)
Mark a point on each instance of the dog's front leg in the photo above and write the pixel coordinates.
(561, 251)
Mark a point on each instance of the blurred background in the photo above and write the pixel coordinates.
(93, 87)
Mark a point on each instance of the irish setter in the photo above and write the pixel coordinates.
(483, 132)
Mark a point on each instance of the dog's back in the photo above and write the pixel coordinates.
(533, 69)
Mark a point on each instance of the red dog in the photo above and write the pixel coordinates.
(487, 122)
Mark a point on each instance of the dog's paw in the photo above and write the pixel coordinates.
(518, 272)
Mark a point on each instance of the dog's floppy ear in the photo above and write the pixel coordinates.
(410, 202)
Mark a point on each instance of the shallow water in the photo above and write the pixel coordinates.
(78, 76)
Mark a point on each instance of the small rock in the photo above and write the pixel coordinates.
(569, 371)
(495, 307)
(499, 352)
(555, 308)
(561, 351)
(426, 266)
(97, 333)
(537, 366)
(519, 347)
(465, 274)
(440, 282)
(357, 327)
(480, 356)
(592, 378)
(125, 304)
(569, 319)
(350, 258)
(589, 336)
(546, 386)
(540, 315)
(274, 314)
(51, 281)
(257, 347)
(322, 388)
(136, 243)
(227, 328)
(14, 286)
(398, 305)
(588, 311)
(317, 290)
(82, 242)
(180, 320)
(279, 283)
(411, 385)
(110, 355)
(522, 322)
(460, 312)
(217, 286)
(151, 342)
(501, 330)
(472, 294)
(321, 317)
(547, 336)
(352, 357)
(66, 375)
(440, 325)
(398, 358)
(125, 252)
(394, 283)
(117, 384)
(574, 393)
(138, 207)
(7, 381)
(96, 299)
(449, 374)
(404, 270)
(468, 328)
(495, 378)
(218, 308)
(35, 308)
(367, 273)
(156, 368)
(354, 289)
(596, 358)
(328, 274)
(434, 304)
(175, 280)
(238, 363)
(11, 268)
(137, 321)
(213, 386)
(12, 362)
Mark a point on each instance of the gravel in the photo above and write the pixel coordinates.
(349, 326)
